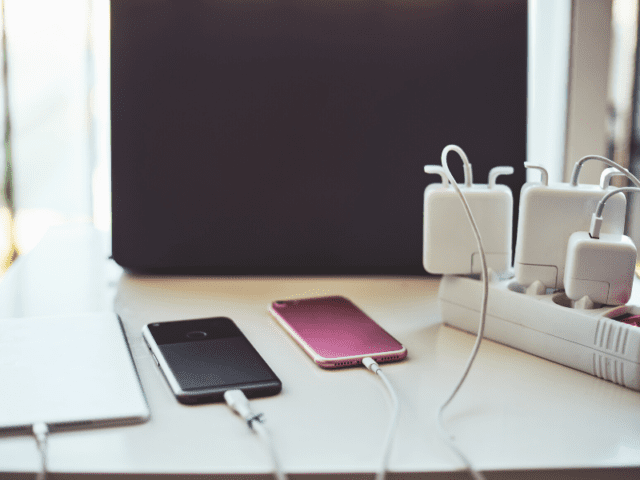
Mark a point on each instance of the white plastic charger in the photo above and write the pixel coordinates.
(600, 268)
(546, 325)
(549, 214)
(449, 244)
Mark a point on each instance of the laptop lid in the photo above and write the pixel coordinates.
(71, 371)
(290, 137)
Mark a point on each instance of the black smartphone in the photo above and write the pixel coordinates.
(203, 358)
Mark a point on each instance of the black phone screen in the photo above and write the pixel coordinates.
(211, 356)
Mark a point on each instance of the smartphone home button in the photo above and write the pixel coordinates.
(196, 335)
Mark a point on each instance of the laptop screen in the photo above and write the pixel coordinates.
(279, 136)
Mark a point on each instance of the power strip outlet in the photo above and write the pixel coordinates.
(595, 341)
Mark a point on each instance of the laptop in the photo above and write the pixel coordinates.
(287, 137)
(73, 371)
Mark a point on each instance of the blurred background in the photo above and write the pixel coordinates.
(583, 99)
(55, 122)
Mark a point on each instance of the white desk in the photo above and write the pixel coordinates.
(517, 416)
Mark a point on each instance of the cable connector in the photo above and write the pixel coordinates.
(596, 226)
(371, 364)
(41, 431)
(239, 403)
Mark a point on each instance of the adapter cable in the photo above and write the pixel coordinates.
(578, 166)
(238, 402)
(596, 219)
(371, 364)
(599, 266)
(41, 432)
(483, 309)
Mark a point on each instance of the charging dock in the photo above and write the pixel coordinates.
(595, 341)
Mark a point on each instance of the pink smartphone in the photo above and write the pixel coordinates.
(335, 333)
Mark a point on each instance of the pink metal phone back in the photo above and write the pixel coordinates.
(334, 327)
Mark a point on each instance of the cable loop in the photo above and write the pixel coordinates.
(483, 311)
(607, 175)
(608, 195)
(468, 175)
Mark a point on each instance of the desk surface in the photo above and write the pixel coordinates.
(515, 413)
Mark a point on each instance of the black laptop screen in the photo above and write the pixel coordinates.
(281, 136)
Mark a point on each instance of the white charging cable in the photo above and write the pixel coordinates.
(371, 364)
(578, 166)
(41, 432)
(596, 218)
(483, 310)
(238, 402)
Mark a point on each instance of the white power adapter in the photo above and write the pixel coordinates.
(600, 268)
(548, 216)
(449, 244)
(600, 265)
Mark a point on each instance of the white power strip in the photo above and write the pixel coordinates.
(593, 341)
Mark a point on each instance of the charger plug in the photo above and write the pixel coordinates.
(548, 215)
(449, 245)
(600, 268)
